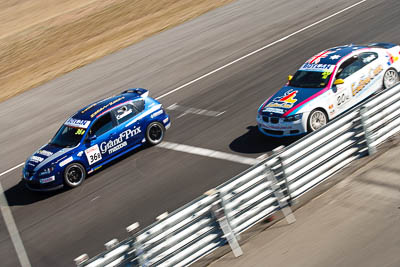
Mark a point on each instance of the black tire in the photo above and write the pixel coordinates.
(74, 175)
(155, 133)
(316, 120)
(390, 78)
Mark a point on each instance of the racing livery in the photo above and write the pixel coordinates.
(328, 84)
(94, 136)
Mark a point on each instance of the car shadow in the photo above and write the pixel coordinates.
(19, 195)
(253, 141)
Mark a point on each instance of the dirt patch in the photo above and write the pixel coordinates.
(40, 40)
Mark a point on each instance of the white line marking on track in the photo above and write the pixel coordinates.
(13, 168)
(260, 49)
(208, 153)
(196, 111)
(239, 59)
(13, 230)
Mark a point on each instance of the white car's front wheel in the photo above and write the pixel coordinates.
(316, 120)
(390, 78)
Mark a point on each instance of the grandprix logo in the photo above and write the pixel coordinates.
(120, 142)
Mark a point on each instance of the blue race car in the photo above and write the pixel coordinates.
(94, 136)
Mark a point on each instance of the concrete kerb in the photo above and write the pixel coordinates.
(350, 170)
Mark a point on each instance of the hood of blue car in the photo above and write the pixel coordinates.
(285, 99)
(45, 155)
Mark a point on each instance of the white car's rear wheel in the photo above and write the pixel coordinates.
(390, 78)
(316, 120)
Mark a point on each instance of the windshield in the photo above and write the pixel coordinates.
(67, 136)
(310, 79)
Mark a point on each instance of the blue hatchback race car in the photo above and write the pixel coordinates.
(94, 136)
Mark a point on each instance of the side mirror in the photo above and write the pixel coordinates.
(91, 138)
(290, 77)
(339, 81)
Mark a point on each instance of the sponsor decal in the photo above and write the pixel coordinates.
(285, 101)
(317, 67)
(66, 161)
(120, 142)
(36, 159)
(165, 120)
(89, 107)
(80, 132)
(155, 114)
(77, 123)
(356, 88)
(124, 112)
(47, 180)
(45, 153)
(93, 154)
(79, 154)
(279, 127)
(317, 58)
(273, 110)
(106, 106)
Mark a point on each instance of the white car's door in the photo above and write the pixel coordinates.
(360, 79)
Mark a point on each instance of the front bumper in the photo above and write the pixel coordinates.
(33, 183)
(282, 128)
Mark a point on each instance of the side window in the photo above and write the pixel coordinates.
(355, 63)
(368, 57)
(139, 105)
(124, 113)
(348, 67)
(102, 125)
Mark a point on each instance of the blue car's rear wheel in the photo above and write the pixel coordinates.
(155, 133)
(74, 175)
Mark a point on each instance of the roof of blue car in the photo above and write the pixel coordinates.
(90, 112)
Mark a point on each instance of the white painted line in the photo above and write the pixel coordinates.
(13, 168)
(196, 111)
(13, 230)
(208, 153)
(260, 49)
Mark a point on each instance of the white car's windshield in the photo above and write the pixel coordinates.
(310, 79)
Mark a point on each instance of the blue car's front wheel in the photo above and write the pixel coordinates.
(155, 133)
(74, 175)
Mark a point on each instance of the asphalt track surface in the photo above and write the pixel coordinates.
(55, 228)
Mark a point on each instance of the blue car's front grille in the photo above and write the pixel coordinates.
(28, 174)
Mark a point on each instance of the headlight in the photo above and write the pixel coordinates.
(293, 117)
(258, 116)
(46, 171)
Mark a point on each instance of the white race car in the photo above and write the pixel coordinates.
(328, 84)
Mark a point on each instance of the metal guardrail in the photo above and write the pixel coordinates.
(220, 215)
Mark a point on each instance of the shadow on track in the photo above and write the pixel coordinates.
(255, 142)
(19, 195)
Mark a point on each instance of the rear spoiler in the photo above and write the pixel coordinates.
(139, 91)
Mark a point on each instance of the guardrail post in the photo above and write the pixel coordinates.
(219, 213)
(270, 176)
(132, 230)
(367, 133)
